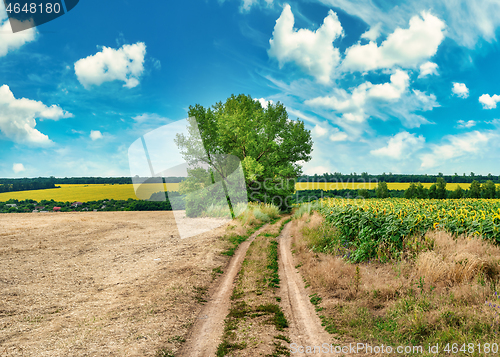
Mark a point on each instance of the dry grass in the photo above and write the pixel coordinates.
(456, 261)
(437, 296)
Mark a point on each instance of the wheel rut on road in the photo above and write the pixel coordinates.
(208, 329)
(304, 324)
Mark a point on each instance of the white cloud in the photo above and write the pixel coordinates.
(466, 124)
(460, 90)
(263, 102)
(246, 5)
(352, 106)
(489, 102)
(457, 146)
(125, 64)
(319, 170)
(95, 135)
(428, 68)
(404, 47)
(18, 118)
(150, 117)
(11, 41)
(393, 90)
(373, 33)
(319, 131)
(313, 51)
(467, 20)
(338, 135)
(400, 146)
(17, 168)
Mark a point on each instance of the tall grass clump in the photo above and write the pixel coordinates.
(216, 211)
(256, 212)
(306, 208)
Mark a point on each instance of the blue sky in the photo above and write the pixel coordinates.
(385, 86)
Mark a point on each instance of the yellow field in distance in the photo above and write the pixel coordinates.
(85, 193)
(326, 186)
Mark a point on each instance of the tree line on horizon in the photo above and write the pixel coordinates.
(438, 190)
(43, 183)
(402, 178)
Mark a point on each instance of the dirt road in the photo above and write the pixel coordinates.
(305, 326)
(207, 331)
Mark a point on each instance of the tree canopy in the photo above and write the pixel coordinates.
(270, 146)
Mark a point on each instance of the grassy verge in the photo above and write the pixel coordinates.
(444, 294)
(254, 217)
(255, 315)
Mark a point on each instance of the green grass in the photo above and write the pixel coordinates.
(163, 352)
(200, 293)
(274, 280)
(236, 240)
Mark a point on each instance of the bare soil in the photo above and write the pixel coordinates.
(101, 284)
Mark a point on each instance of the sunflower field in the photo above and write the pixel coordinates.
(386, 228)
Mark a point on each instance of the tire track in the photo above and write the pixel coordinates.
(305, 326)
(208, 329)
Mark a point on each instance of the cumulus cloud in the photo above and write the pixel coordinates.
(313, 51)
(456, 146)
(373, 33)
(124, 64)
(10, 41)
(460, 90)
(466, 20)
(95, 135)
(263, 102)
(404, 47)
(489, 102)
(17, 168)
(319, 170)
(400, 146)
(352, 106)
(466, 124)
(338, 135)
(319, 131)
(427, 69)
(18, 118)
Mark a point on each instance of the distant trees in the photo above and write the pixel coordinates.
(457, 193)
(441, 188)
(382, 191)
(391, 177)
(411, 192)
(488, 189)
(474, 190)
(421, 191)
(100, 205)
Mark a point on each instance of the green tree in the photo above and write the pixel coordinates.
(488, 189)
(457, 193)
(433, 191)
(411, 191)
(382, 190)
(269, 145)
(475, 189)
(363, 192)
(441, 188)
(421, 191)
